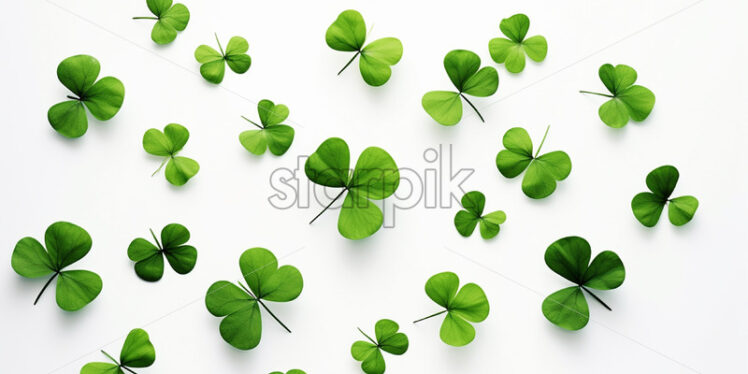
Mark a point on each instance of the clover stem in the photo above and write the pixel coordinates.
(474, 108)
(160, 166)
(45, 286)
(252, 122)
(349, 62)
(329, 205)
(433, 315)
(128, 369)
(110, 357)
(595, 93)
(155, 18)
(367, 336)
(156, 239)
(264, 306)
(542, 141)
(596, 298)
(219, 44)
(73, 97)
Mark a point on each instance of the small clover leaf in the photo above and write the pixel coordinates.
(569, 257)
(137, 352)
(627, 100)
(149, 258)
(648, 206)
(542, 172)
(168, 143)
(272, 132)
(463, 69)
(103, 98)
(292, 371)
(465, 220)
(511, 52)
(66, 244)
(370, 352)
(169, 19)
(213, 63)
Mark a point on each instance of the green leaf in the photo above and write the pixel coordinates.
(569, 258)
(236, 57)
(213, 63)
(388, 339)
(445, 107)
(104, 98)
(511, 51)
(606, 272)
(68, 118)
(347, 33)
(681, 209)
(268, 281)
(272, 134)
(567, 308)
(179, 170)
(626, 99)
(77, 288)
(169, 20)
(168, 143)
(468, 305)
(647, 207)
(101, 368)
(466, 220)
(30, 259)
(138, 351)
(149, 258)
(330, 164)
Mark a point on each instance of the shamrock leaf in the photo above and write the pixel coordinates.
(375, 177)
(627, 100)
(388, 340)
(66, 244)
(467, 305)
(168, 143)
(647, 206)
(570, 258)
(242, 324)
(272, 133)
(149, 258)
(348, 34)
(445, 107)
(292, 371)
(466, 219)
(137, 352)
(214, 63)
(542, 172)
(169, 19)
(511, 52)
(103, 98)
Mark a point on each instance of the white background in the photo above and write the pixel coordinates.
(682, 307)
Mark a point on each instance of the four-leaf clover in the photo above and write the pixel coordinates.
(647, 206)
(149, 258)
(214, 63)
(569, 257)
(272, 133)
(469, 304)
(168, 143)
(388, 340)
(473, 203)
(511, 52)
(137, 352)
(242, 323)
(66, 244)
(627, 100)
(348, 34)
(376, 177)
(542, 172)
(169, 20)
(462, 66)
(103, 98)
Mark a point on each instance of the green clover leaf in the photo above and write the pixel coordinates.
(370, 352)
(376, 177)
(169, 19)
(103, 98)
(168, 143)
(66, 244)
(272, 132)
(569, 257)
(149, 258)
(511, 52)
(348, 34)
(137, 352)
(213, 63)
(627, 100)
(462, 67)
(292, 371)
(242, 324)
(648, 206)
(468, 305)
(473, 203)
(542, 172)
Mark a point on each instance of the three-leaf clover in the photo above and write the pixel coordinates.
(292, 371)
(375, 177)
(103, 98)
(542, 172)
(473, 203)
(242, 323)
(462, 66)
(348, 34)
(169, 19)
(168, 143)
(272, 133)
(388, 340)
(627, 100)
(647, 206)
(511, 52)
(149, 258)
(214, 63)
(66, 244)
(137, 352)
(569, 257)
(469, 304)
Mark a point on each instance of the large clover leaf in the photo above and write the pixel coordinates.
(137, 352)
(169, 19)
(627, 100)
(465, 220)
(149, 258)
(388, 339)
(167, 144)
(648, 206)
(511, 52)
(213, 63)
(272, 132)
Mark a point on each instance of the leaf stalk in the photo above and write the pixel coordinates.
(367, 336)
(433, 315)
(246, 289)
(45, 286)
(329, 205)
(253, 122)
(542, 141)
(350, 61)
(153, 18)
(473, 106)
(596, 93)
(596, 298)
(219, 44)
(161, 166)
(156, 239)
